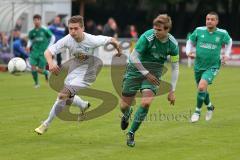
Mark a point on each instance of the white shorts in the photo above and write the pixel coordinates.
(81, 75)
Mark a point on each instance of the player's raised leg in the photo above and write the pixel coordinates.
(140, 114)
(42, 67)
(201, 95)
(126, 109)
(57, 107)
(79, 102)
(210, 107)
(35, 76)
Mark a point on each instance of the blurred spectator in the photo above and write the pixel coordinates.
(5, 51)
(18, 46)
(110, 28)
(66, 29)
(131, 32)
(59, 31)
(90, 27)
(18, 25)
(99, 29)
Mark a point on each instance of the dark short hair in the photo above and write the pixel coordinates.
(37, 16)
(214, 13)
(163, 19)
(77, 19)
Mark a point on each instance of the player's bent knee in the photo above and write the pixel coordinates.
(69, 101)
(39, 70)
(64, 94)
(126, 101)
(146, 103)
(202, 87)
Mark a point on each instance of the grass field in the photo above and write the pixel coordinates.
(22, 108)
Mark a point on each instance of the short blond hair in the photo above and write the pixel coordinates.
(77, 19)
(163, 19)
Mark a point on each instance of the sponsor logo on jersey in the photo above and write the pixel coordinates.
(83, 48)
(39, 39)
(159, 55)
(208, 45)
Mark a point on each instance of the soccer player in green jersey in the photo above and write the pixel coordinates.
(144, 69)
(208, 41)
(39, 39)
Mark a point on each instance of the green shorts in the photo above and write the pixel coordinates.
(207, 75)
(131, 86)
(39, 61)
(134, 81)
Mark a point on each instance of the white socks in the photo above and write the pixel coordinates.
(56, 108)
(60, 104)
(77, 101)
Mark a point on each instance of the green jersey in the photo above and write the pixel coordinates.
(40, 38)
(150, 49)
(208, 47)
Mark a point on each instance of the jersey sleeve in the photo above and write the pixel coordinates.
(174, 54)
(193, 36)
(58, 46)
(30, 35)
(226, 38)
(174, 50)
(142, 44)
(48, 33)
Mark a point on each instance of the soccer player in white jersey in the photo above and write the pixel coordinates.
(208, 41)
(81, 45)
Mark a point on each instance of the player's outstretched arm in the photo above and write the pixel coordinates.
(52, 67)
(175, 73)
(29, 44)
(227, 51)
(116, 45)
(189, 49)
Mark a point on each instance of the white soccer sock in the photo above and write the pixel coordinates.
(56, 108)
(77, 101)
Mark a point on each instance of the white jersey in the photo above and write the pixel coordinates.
(86, 46)
(83, 70)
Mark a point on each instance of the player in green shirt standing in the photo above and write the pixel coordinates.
(39, 39)
(144, 70)
(208, 41)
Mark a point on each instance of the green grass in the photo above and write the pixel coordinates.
(23, 107)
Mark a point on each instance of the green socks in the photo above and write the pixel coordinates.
(207, 99)
(45, 72)
(127, 112)
(138, 118)
(201, 96)
(35, 77)
(207, 102)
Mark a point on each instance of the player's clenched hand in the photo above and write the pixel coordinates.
(191, 55)
(54, 69)
(118, 54)
(117, 46)
(171, 97)
(151, 78)
(224, 59)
